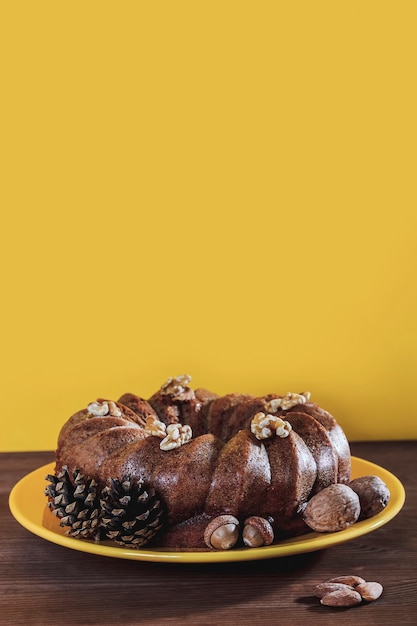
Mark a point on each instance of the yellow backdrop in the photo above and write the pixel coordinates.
(225, 189)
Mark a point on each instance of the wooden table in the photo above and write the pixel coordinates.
(43, 583)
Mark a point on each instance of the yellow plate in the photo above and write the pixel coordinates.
(28, 505)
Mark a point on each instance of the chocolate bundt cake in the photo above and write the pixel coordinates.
(203, 467)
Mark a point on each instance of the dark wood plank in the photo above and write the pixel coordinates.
(44, 583)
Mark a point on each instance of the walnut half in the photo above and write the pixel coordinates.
(264, 426)
(176, 436)
(102, 408)
(173, 435)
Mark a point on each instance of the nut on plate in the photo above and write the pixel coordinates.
(257, 532)
(222, 532)
(332, 509)
(373, 494)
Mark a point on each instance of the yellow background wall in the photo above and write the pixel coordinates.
(225, 189)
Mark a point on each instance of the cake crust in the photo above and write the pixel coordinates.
(201, 455)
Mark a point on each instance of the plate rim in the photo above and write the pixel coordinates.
(309, 542)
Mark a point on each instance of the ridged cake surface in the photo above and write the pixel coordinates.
(223, 467)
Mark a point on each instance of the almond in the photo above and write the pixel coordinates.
(370, 591)
(352, 581)
(342, 598)
(334, 508)
(325, 588)
(373, 494)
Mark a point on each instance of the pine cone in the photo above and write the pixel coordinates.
(76, 502)
(132, 514)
